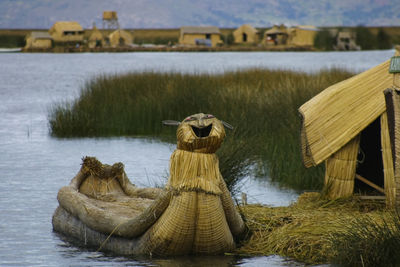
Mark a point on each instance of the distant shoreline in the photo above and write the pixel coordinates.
(166, 39)
(160, 48)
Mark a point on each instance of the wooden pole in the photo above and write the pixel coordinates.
(362, 179)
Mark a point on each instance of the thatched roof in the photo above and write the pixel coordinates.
(67, 26)
(246, 28)
(199, 30)
(340, 112)
(95, 35)
(40, 35)
(277, 30)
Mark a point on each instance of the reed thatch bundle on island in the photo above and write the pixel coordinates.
(120, 38)
(41, 40)
(66, 32)
(194, 214)
(95, 39)
(200, 35)
(346, 125)
(302, 35)
(246, 34)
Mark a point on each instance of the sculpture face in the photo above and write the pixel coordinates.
(200, 133)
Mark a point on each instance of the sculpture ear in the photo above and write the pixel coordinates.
(171, 123)
(227, 125)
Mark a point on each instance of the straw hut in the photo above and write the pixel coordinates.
(205, 36)
(302, 35)
(277, 35)
(246, 34)
(38, 40)
(95, 39)
(119, 38)
(67, 32)
(346, 125)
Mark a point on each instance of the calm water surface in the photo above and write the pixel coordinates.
(34, 165)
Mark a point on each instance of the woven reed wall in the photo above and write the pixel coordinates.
(341, 169)
(388, 170)
(393, 109)
(393, 114)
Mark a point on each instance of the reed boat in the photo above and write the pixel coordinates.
(193, 214)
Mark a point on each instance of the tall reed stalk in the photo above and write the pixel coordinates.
(261, 104)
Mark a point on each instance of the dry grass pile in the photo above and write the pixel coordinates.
(304, 231)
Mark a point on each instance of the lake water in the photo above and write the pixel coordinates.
(34, 165)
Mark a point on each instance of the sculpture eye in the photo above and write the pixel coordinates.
(209, 116)
(190, 118)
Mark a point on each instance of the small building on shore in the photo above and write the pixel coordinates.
(119, 38)
(67, 32)
(38, 40)
(277, 35)
(302, 35)
(349, 126)
(200, 36)
(246, 34)
(346, 41)
(95, 39)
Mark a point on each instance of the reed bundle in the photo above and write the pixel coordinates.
(304, 230)
(341, 169)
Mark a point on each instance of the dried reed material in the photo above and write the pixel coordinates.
(97, 180)
(302, 231)
(191, 171)
(192, 223)
(195, 214)
(340, 112)
(388, 170)
(341, 169)
(103, 214)
(392, 98)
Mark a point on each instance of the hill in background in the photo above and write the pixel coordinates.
(16, 14)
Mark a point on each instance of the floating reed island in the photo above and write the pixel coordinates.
(316, 230)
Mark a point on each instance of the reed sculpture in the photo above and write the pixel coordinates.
(193, 214)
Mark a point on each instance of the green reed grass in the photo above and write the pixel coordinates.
(368, 241)
(261, 104)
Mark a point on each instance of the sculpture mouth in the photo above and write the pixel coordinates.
(202, 132)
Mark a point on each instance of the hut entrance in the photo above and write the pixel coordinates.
(244, 37)
(370, 162)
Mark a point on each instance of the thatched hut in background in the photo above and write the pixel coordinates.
(346, 125)
(277, 35)
(302, 35)
(200, 36)
(67, 32)
(346, 41)
(245, 34)
(119, 38)
(38, 40)
(95, 39)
